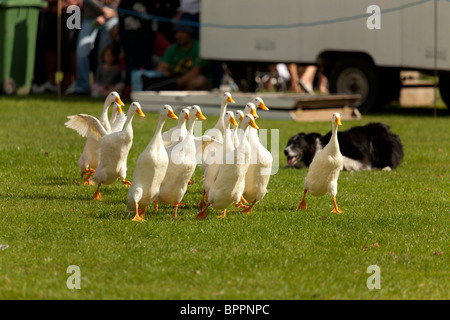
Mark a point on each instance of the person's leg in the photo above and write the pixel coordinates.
(307, 78)
(198, 83)
(293, 72)
(86, 39)
(130, 43)
(50, 52)
(138, 49)
(323, 82)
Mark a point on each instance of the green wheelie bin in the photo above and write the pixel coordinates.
(18, 29)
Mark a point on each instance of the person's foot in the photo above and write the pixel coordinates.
(307, 87)
(45, 87)
(71, 90)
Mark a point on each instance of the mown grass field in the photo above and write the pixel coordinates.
(396, 220)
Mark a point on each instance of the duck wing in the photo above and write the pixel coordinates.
(86, 126)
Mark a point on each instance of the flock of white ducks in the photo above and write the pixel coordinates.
(237, 166)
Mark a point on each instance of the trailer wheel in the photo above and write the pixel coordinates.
(444, 89)
(355, 76)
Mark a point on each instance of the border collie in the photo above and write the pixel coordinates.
(363, 148)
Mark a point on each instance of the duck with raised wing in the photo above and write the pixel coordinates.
(114, 147)
(88, 160)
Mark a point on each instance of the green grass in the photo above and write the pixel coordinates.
(48, 220)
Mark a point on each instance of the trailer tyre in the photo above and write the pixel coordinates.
(355, 76)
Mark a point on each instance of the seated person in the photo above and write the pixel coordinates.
(108, 76)
(181, 66)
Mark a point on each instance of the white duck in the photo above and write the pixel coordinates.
(259, 103)
(118, 118)
(229, 183)
(150, 170)
(238, 115)
(218, 158)
(114, 147)
(88, 160)
(178, 132)
(218, 131)
(323, 172)
(258, 173)
(251, 108)
(182, 164)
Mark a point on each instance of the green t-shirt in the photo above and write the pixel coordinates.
(181, 61)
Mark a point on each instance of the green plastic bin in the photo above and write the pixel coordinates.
(18, 29)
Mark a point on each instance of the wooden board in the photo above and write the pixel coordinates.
(312, 115)
(282, 105)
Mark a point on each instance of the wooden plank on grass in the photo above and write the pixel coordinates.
(281, 105)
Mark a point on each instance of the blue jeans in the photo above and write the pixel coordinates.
(86, 39)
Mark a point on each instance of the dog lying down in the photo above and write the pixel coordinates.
(363, 148)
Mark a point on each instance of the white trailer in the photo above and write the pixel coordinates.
(361, 44)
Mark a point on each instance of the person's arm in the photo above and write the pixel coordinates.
(164, 67)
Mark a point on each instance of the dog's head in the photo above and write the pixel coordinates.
(301, 148)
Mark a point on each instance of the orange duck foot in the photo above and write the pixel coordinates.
(224, 214)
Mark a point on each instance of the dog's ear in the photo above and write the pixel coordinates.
(312, 138)
(309, 147)
(295, 138)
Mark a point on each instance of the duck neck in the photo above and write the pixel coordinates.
(221, 122)
(161, 121)
(104, 117)
(191, 125)
(252, 134)
(334, 143)
(181, 122)
(244, 135)
(113, 116)
(130, 116)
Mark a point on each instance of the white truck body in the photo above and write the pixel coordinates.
(301, 30)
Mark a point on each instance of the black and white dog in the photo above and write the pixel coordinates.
(363, 148)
